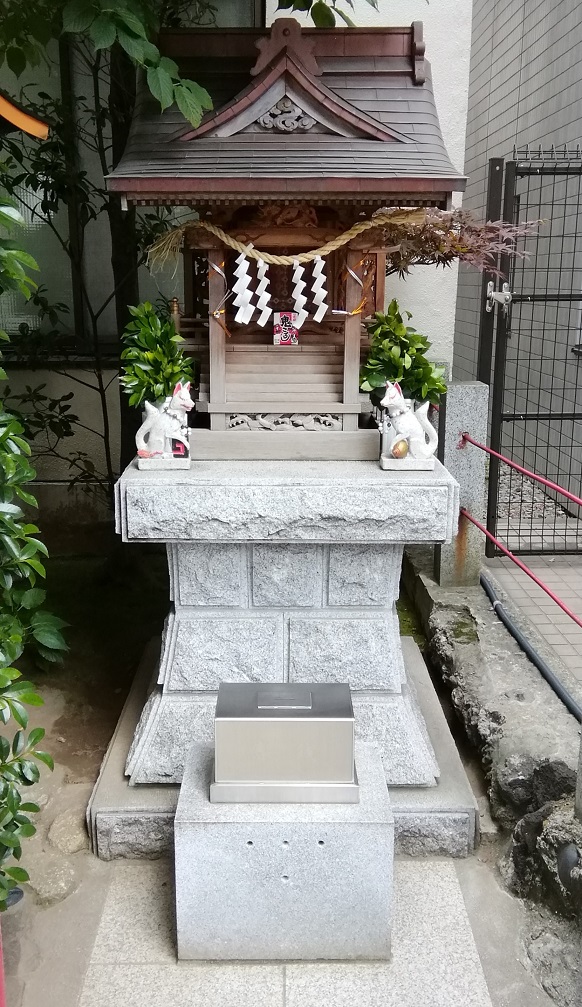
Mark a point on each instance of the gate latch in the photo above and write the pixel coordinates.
(502, 297)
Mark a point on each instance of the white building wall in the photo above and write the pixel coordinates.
(430, 294)
(525, 88)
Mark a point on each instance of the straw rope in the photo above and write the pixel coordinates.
(169, 245)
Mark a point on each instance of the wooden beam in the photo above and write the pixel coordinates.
(352, 330)
(380, 284)
(216, 336)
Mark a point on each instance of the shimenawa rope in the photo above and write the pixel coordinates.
(169, 245)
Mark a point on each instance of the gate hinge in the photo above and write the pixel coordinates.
(502, 297)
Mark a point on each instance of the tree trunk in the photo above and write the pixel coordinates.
(124, 247)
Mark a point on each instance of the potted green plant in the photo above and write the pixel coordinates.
(398, 354)
(157, 375)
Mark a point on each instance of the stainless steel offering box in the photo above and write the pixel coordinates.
(277, 743)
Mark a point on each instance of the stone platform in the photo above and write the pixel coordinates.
(138, 821)
(283, 572)
(283, 881)
(435, 962)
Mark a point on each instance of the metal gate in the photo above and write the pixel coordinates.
(530, 351)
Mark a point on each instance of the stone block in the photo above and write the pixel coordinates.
(364, 574)
(389, 722)
(201, 651)
(166, 731)
(419, 834)
(364, 652)
(290, 501)
(209, 574)
(287, 576)
(286, 881)
(464, 409)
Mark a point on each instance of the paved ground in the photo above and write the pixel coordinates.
(93, 934)
(563, 574)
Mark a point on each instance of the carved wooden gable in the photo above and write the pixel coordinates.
(287, 96)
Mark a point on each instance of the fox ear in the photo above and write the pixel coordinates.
(178, 388)
(398, 388)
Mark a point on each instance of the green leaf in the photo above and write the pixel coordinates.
(19, 713)
(46, 759)
(169, 66)
(16, 59)
(186, 102)
(78, 15)
(132, 22)
(50, 638)
(103, 31)
(134, 47)
(345, 17)
(322, 15)
(37, 566)
(161, 86)
(35, 736)
(200, 94)
(17, 874)
(30, 807)
(18, 743)
(32, 598)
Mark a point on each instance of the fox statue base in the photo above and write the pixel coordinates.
(163, 462)
(407, 464)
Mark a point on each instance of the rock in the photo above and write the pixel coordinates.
(52, 879)
(527, 741)
(68, 832)
(530, 866)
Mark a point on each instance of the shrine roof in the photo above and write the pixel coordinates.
(360, 121)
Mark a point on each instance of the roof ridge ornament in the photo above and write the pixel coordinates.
(286, 38)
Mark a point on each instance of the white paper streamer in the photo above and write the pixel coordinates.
(263, 294)
(299, 298)
(243, 293)
(318, 291)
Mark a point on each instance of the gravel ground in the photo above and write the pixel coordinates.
(522, 500)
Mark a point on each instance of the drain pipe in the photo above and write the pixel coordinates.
(544, 668)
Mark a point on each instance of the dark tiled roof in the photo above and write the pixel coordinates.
(158, 159)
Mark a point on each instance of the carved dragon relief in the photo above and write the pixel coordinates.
(282, 421)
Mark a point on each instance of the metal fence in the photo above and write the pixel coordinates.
(530, 351)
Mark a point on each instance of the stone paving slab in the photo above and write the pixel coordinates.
(563, 574)
(435, 961)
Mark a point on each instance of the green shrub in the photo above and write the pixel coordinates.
(22, 621)
(398, 353)
(153, 362)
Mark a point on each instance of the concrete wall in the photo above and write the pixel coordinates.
(428, 293)
(525, 87)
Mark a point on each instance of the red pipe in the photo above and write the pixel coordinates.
(526, 472)
(2, 987)
(523, 567)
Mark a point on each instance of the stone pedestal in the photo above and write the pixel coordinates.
(283, 571)
(283, 881)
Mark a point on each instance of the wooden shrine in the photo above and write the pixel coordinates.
(312, 132)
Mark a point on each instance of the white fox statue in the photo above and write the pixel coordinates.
(166, 429)
(411, 440)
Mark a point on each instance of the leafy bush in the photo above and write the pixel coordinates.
(398, 353)
(22, 622)
(153, 361)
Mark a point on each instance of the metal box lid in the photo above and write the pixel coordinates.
(284, 742)
(289, 700)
